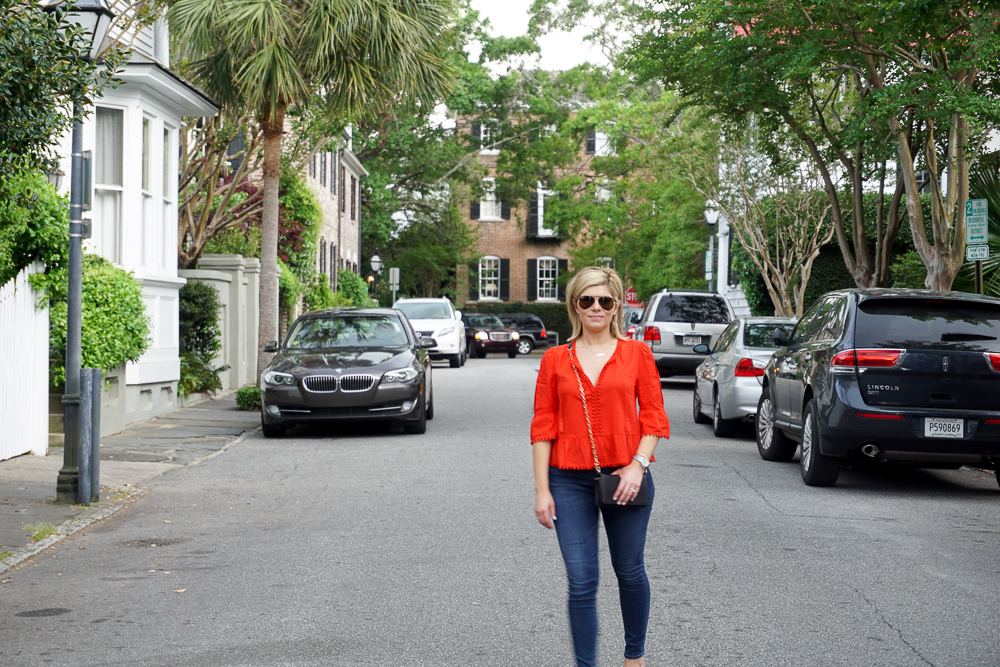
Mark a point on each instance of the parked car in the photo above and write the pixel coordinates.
(674, 321)
(438, 319)
(486, 333)
(728, 383)
(348, 364)
(879, 375)
(632, 316)
(530, 329)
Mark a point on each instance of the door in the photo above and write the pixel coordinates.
(788, 369)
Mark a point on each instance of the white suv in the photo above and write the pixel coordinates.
(674, 321)
(437, 319)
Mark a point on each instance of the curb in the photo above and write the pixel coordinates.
(73, 526)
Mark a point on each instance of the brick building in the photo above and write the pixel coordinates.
(522, 258)
(335, 178)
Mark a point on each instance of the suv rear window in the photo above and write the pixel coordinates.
(928, 323)
(701, 309)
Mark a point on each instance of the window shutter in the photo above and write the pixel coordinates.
(477, 131)
(591, 146)
(505, 210)
(333, 267)
(532, 280)
(563, 268)
(474, 209)
(505, 280)
(473, 281)
(532, 224)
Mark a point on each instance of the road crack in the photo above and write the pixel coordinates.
(752, 487)
(899, 633)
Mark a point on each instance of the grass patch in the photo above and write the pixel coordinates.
(40, 531)
(4, 555)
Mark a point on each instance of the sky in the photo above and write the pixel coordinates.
(560, 50)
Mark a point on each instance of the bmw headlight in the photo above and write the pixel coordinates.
(276, 379)
(402, 375)
(482, 335)
(445, 331)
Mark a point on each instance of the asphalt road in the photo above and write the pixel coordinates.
(365, 546)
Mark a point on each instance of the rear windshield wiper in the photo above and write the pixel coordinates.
(946, 337)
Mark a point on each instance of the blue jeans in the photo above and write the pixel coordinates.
(576, 528)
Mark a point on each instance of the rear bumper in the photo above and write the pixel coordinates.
(677, 364)
(739, 399)
(898, 433)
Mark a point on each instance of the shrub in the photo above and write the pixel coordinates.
(200, 338)
(354, 288)
(115, 325)
(34, 225)
(318, 295)
(248, 398)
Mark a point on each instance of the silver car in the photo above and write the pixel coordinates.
(675, 321)
(728, 383)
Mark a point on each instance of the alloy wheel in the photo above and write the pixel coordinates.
(807, 444)
(765, 424)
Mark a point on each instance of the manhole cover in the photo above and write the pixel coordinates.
(153, 542)
(39, 613)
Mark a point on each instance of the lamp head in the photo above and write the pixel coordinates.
(376, 263)
(94, 19)
(711, 213)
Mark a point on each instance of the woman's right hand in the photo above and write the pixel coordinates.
(545, 508)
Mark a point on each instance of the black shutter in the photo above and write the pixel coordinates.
(477, 132)
(505, 280)
(532, 224)
(473, 281)
(532, 280)
(591, 146)
(236, 146)
(333, 267)
(563, 268)
(474, 209)
(505, 210)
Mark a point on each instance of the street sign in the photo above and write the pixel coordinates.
(976, 225)
(632, 297)
(976, 252)
(394, 278)
(708, 265)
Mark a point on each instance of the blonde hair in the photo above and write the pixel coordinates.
(594, 276)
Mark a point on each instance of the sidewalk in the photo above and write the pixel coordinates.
(128, 459)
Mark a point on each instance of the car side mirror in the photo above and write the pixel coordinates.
(426, 342)
(634, 317)
(458, 314)
(701, 348)
(780, 337)
(270, 346)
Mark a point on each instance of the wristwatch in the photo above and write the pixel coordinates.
(643, 461)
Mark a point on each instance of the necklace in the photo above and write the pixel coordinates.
(599, 354)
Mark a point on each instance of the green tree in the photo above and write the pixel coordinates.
(863, 88)
(268, 55)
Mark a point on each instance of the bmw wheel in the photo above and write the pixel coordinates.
(772, 443)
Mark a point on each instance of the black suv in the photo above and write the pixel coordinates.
(884, 375)
(530, 327)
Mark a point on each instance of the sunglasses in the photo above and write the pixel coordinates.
(587, 302)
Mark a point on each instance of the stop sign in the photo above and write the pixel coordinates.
(632, 297)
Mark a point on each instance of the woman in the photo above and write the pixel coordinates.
(615, 373)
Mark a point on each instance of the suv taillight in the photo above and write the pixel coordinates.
(749, 368)
(867, 358)
(544, 334)
(995, 360)
(651, 334)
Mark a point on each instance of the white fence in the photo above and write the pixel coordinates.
(24, 361)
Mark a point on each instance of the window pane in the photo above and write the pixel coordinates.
(702, 309)
(489, 207)
(548, 272)
(489, 278)
(145, 154)
(107, 211)
(108, 158)
(167, 189)
(339, 332)
(424, 311)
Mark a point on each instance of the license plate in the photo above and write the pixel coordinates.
(691, 340)
(935, 427)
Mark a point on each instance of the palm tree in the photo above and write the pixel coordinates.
(350, 55)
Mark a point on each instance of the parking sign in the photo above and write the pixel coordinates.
(976, 225)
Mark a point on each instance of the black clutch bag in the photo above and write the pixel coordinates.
(606, 485)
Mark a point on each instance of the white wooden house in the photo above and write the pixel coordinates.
(132, 132)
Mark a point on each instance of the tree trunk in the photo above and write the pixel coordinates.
(267, 331)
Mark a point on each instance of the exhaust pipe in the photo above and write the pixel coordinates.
(870, 450)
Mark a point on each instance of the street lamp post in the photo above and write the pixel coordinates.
(711, 217)
(376, 263)
(94, 18)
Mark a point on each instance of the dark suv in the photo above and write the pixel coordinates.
(884, 375)
(533, 333)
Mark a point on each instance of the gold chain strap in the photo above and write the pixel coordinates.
(586, 413)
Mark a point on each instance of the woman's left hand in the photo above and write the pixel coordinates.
(631, 480)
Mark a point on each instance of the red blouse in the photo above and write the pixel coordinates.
(629, 377)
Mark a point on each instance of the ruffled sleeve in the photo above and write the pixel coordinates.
(545, 423)
(652, 417)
